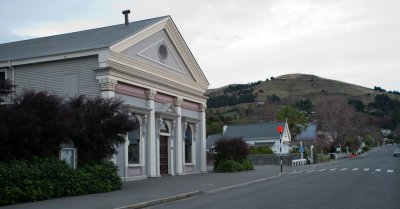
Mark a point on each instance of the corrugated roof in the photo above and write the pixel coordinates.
(211, 139)
(72, 42)
(255, 130)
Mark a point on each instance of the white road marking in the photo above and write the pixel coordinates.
(366, 169)
(354, 169)
(298, 172)
(378, 170)
(310, 171)
(390, 171)
(332, 169)
(343, 169)
(322, 169)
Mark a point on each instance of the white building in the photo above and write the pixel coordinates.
(147, 64)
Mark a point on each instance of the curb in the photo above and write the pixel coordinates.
(162, 200)
(246, 183)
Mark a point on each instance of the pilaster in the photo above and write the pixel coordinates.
(151, 133)
(203, 150)
(178, 138)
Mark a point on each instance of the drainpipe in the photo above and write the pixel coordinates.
(13, 71)
(13, 75)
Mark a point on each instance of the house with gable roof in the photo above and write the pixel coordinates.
(257, 135)
(145, 63)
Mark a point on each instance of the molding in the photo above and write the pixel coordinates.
(56, 57)
(145, 80)
(190, 120)
(128, 108)
(159, 42)
(151, 94)
(177, 40)
(203, 107)
(178, 101)
(167, 115)
(107, 84)
(118, 60)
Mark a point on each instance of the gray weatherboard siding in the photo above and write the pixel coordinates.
(48, 76)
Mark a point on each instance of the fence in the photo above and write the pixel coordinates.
(272, 159)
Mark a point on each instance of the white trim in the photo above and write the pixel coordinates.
(55, 57)
(162, 41)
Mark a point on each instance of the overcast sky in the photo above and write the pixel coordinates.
(237, 41)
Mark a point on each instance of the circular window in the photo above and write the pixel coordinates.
(162, 52)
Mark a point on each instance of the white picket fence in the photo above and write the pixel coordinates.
(298, 162)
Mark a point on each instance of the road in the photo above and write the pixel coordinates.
(369, 181)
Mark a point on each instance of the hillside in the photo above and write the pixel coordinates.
(259, 101)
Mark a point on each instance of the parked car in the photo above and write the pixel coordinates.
(396, 153)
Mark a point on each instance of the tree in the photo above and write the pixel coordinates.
(97, 127)
(34, 125)
(338, 120)
(6, 88)
(297, 121)
(38, 122)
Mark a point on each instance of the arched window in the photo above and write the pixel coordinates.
(164, 128)
(188, 144)
(134, 142)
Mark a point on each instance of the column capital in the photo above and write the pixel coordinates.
(107, 84)
(151, 94)
(178, 101)
(203, 107)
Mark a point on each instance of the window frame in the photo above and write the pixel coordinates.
(191, 161)
(139, 144)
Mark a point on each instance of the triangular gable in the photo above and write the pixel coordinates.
(184, 68)
(168, 108)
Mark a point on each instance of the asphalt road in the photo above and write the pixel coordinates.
(369, 181)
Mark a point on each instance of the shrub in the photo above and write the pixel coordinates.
(231, 149)
(45, 178)
(231, 155)
(233, 166)
(365, 148)
(260, 150)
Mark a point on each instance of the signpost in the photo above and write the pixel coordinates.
(279, 129)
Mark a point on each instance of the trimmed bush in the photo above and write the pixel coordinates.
(261, 150)
(234, 166)
(232, 155)
(46, 178)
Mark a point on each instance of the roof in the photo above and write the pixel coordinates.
(72, 42)
(255, 130)
(309, 134)
(211, 139)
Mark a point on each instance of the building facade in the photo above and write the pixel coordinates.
(145, 63)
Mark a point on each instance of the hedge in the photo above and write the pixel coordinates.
(233, 166)
(46, 178)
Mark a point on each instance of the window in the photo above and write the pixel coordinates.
(164, 128)
(70, 85)
(188, 144)
(2, 76)
(163, 52)
(134, 143)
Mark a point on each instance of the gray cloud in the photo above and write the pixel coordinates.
(237, 41)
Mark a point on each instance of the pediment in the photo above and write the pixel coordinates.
(141, 53)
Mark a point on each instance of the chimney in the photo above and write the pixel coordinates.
(126, 13)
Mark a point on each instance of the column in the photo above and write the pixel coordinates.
(203, 137)
(179, 140)
(151, 133)
(107, 87)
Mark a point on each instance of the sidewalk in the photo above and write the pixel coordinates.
(170, 187)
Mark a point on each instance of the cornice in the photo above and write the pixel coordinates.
(54, 57)
(176, 39)
(140, 79)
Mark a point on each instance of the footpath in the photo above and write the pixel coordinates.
(145, 193)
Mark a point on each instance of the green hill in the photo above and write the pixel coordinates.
(259, 101)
